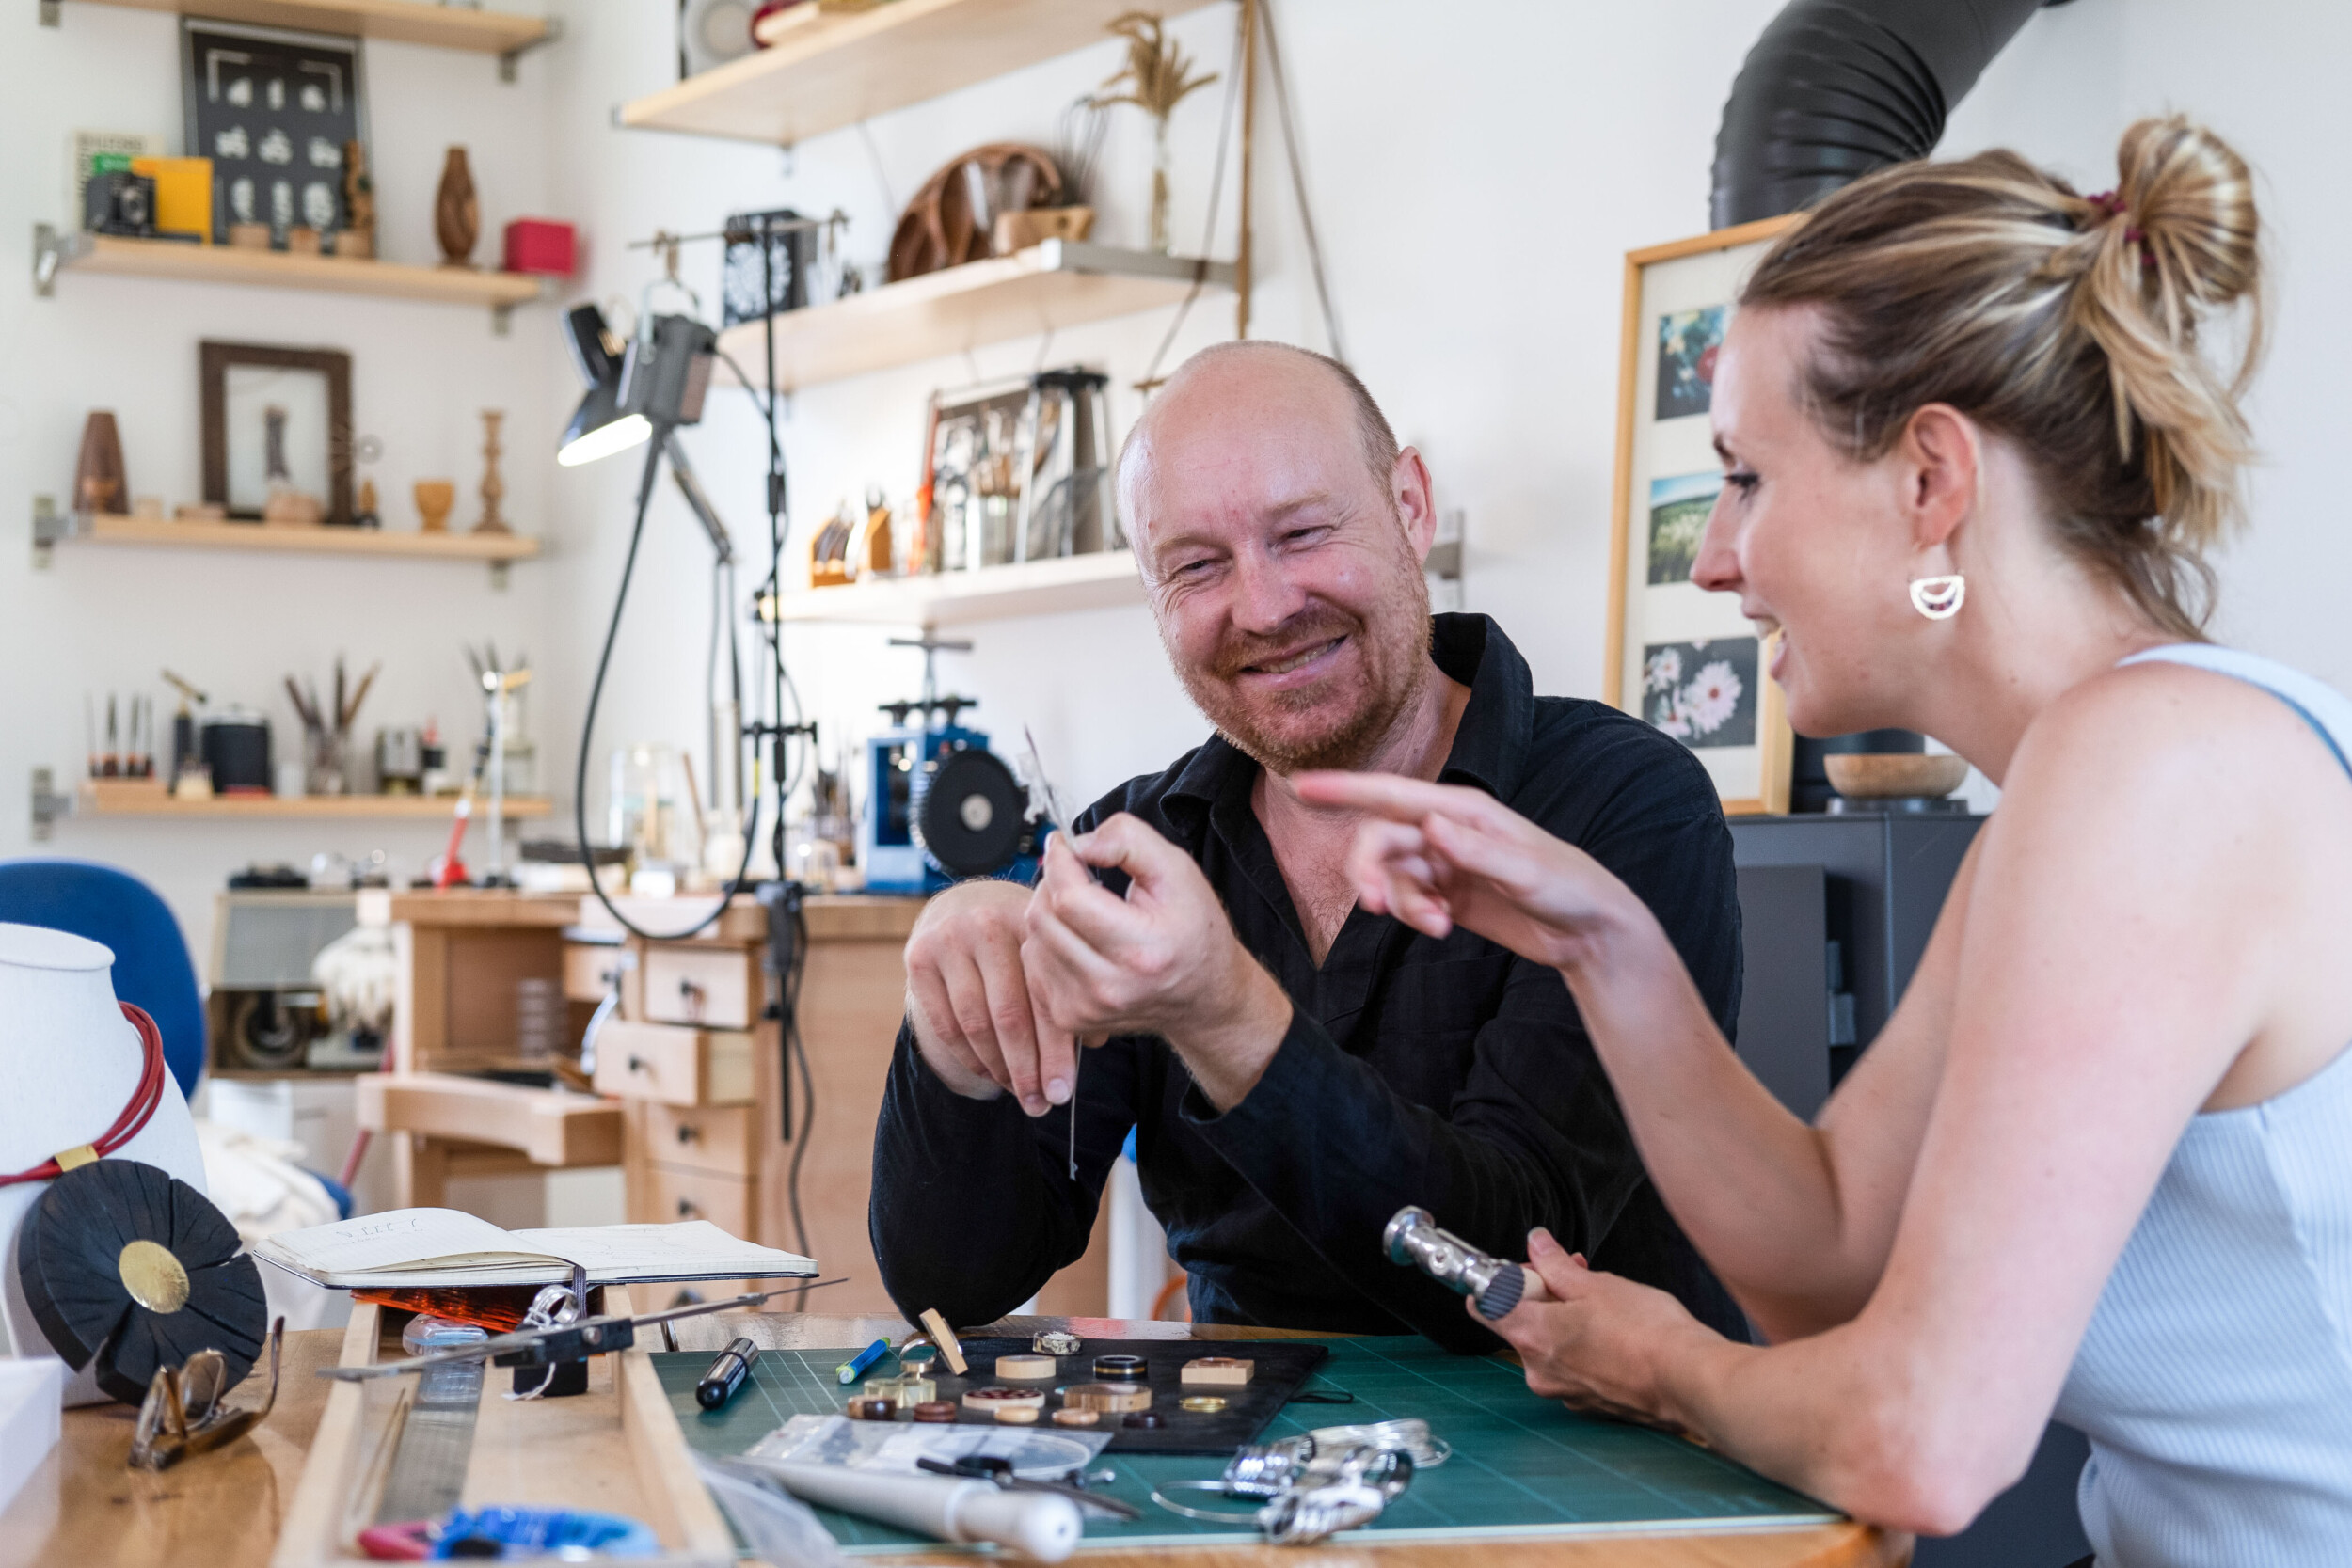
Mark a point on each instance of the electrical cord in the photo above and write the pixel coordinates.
(588, 730)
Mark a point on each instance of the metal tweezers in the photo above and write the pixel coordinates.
(980, 1467)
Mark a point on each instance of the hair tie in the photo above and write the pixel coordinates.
(2109, 205)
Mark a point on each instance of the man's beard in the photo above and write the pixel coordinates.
(1393, 642)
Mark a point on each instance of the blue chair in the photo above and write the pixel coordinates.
(151, 968)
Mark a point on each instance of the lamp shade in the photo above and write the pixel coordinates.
(599, 428)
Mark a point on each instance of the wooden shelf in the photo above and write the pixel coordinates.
(1047, 287)
(835, 70)
(148, 798)
(106, 529)
(55, 250)
(992, 594)
(394, 20)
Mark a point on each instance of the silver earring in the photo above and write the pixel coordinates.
(1939, 598)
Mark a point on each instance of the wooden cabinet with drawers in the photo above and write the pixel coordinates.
(675, 1065)
(698, 1064)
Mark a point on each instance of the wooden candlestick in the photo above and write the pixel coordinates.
(493, 488)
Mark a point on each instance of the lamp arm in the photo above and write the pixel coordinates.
(697, 499)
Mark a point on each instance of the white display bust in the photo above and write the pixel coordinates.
(70, 1061)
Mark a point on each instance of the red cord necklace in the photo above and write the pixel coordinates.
(135, 1116)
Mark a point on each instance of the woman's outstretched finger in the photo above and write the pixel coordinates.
(1509, 868)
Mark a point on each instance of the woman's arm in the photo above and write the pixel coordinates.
(2141, 911)
(1794, 1220)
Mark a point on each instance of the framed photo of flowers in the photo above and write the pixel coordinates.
(1683, 659)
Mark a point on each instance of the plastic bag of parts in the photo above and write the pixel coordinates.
(778, 1527)
(894, 1447)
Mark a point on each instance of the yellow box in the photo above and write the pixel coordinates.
(183, 193)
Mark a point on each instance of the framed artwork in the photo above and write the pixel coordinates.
(275, 112)
(1683, 659)
(277, 431)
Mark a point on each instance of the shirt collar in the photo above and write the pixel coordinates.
(1490, 746)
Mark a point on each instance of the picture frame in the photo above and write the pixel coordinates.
(274, 110)
(1682, 659)
(251, 458)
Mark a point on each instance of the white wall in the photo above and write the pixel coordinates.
(107, 619)
(1476, 187)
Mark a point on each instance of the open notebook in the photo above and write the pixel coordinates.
(415, 1248)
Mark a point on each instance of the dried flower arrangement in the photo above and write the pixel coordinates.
(1157, 77)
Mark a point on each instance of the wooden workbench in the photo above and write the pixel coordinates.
(85, 1506)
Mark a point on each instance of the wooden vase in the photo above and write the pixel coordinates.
(99, 482)
(456, 212)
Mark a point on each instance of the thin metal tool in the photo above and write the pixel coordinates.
(999, 1471)
(1046, 804)
(564, 1341)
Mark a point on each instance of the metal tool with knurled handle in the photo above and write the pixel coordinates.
(1413, 1238)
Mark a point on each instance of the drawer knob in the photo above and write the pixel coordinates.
(686, 1208)
(637, 1064)
(688, 1135)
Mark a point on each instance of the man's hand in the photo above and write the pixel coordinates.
(969, 1001)
(1164, 960)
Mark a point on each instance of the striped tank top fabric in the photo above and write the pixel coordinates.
(2215, 1381)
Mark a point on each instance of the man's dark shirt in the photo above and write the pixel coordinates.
(1450, 1073)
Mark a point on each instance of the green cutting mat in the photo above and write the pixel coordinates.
(1522, 1466)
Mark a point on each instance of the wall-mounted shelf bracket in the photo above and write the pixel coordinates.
(508, 58)
(52, 13)
(48, 805)
(53, 248)
(49, 526)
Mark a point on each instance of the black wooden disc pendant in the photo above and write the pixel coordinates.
(127, 1267)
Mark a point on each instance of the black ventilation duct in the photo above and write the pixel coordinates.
(1836, 88)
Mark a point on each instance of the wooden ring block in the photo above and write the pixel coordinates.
(1218, 1371)
(1026, 1368)
(1106, 1397)
(1075, 1417)
(988, 1401)
(1018, 1414)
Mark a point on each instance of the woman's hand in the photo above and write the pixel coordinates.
(1443, 855)
(1599, 1344)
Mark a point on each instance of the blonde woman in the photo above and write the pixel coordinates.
(2100, 1162)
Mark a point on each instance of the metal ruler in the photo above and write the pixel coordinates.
(428, 1470)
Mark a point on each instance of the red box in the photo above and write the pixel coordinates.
(539, 244)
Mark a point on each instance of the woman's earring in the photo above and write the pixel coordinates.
(1939, 598)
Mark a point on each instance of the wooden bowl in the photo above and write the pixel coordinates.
(1866, 776)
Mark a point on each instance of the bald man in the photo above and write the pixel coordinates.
(1295, 1068)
